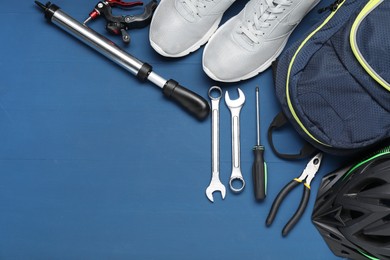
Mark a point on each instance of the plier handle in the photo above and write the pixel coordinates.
(306, 177)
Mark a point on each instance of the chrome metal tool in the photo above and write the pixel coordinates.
(235, 108)
(215, 184)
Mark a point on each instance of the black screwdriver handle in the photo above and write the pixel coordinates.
(279, 199)
(298, 214)
(259, 173)
(192, 102)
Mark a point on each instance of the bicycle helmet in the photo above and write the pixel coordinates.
(352, 209)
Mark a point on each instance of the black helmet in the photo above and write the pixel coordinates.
(352, 209)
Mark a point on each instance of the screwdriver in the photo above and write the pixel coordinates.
(259, 168)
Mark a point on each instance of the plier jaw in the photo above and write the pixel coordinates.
(311, 170)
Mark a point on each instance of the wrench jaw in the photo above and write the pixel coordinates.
(215, 185)
(236, 103)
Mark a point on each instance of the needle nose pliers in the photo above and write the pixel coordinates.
(307, 175)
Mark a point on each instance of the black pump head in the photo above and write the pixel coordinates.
(41, 5)
(49, 9)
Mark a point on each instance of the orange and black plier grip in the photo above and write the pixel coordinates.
(307, 176)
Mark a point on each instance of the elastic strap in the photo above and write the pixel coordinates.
(280, 121)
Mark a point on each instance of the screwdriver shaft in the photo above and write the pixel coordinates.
(257, 116)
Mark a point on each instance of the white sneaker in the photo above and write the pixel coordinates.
(249, 42)
(179, 27)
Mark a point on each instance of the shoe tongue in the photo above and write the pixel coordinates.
(256, 7)
(250, 10)
(189, 8)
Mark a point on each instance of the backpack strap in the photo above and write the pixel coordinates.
(280, 121)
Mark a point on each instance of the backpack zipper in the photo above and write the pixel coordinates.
(334, 8)
(370, 6)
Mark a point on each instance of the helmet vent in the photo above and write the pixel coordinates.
(326, 197)
(349, 214)
(355, 214)
(375, 240)
(385, 202)
(334, 236)
(373, 184)
(344, 252)
(331, 177)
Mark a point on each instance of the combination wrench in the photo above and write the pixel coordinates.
(235, 108)
(215, 184)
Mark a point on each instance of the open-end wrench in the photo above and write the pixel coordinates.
(215, 184)
(235, 108)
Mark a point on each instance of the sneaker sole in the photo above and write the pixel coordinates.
(265, 65)
(193, 48)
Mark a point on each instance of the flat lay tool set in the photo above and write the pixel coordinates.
(332, 88)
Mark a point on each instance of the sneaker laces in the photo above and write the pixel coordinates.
(265, 13)
(194, 6)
